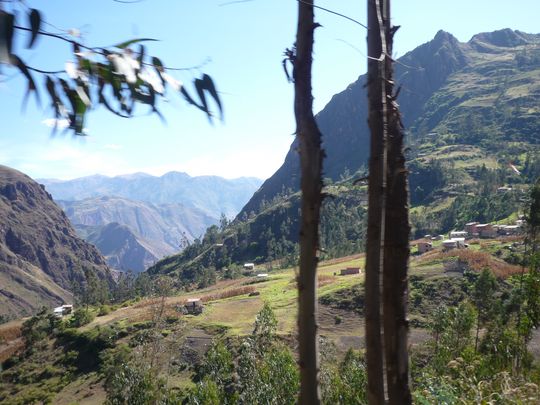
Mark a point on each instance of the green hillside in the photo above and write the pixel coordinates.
(154, 338)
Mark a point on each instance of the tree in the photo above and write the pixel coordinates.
(483, 290)
(311, 157)
(130, 75)
(388, 231)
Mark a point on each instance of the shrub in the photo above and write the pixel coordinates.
(104, 310)
(81, 317)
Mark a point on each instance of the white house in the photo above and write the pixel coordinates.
(458, 234)
(63, 310)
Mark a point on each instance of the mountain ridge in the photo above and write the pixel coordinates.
(211, 194)
(419, 73)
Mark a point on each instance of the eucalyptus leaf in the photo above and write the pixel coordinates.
(17, 62)
(34, 18)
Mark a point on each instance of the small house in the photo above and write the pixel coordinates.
(458, 234)
(486, 231)
(350, 270)
(262, 275)
(470, 228)
(424, 247)
(455, 243)
(65, 309)
(194, 306)
(510, 229)
(249, 266)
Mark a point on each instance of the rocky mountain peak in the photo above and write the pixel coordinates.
(505, 38)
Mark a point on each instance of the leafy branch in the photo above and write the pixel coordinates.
(118, 77)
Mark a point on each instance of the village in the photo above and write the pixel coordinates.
(473, 230)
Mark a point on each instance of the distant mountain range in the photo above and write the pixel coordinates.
(41, 257)
(150, 217)
(211, 194)
(159, 229)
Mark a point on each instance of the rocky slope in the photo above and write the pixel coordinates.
(123, 249)
(161, 229)
(41, 256)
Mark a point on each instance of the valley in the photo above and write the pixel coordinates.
(185, 288)
(229, 310)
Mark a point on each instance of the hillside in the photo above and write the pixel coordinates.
(161, 229)
(176, 342)
(470, 110)
(41, 257)
(123, 249)
(475, 94)
(211, 194)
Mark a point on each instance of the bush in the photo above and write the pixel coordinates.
(104, 310)
(81, 317)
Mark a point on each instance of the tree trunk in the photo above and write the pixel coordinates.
(396, 258)
(311, 156)
(374, 352)
(388, 222)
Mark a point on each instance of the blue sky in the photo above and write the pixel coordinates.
(245, 42)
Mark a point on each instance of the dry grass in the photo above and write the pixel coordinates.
(477, 261)
(9, 350)
(233, 292)
(325, 279)
(341, 260)
(10, 331)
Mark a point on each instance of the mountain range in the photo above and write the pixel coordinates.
(211, 194)
(158, 229)
(137, 219)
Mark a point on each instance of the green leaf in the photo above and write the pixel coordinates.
(157, 64)
(125, 44)
(141, 55)
(56, 103)
(199, 86)
(35, 24)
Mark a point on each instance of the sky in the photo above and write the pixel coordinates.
(242, 43)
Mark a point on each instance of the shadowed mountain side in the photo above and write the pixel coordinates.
(123, 249)
(41, 257)
(343, 122)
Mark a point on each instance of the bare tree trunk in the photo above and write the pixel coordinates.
(388, 222)
(396, 261)
(311, 156)
(374, 355)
